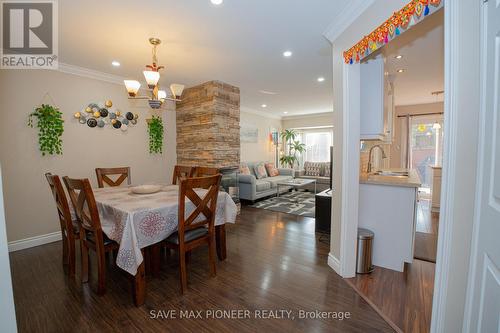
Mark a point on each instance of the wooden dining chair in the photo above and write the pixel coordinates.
(103, 173)
(182, 172)
(70, 228)
(91, 234)
(198, 228)
(205, 171)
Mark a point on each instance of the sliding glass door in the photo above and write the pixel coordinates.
(425, 146)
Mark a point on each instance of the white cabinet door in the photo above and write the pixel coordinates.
(483, 294)
(372, 99)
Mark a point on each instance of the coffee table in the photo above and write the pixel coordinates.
(295, 183)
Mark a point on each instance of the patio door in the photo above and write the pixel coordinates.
(425, 146)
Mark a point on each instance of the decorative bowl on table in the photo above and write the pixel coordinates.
(146, 189)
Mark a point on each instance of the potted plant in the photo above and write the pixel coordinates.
(293, 148)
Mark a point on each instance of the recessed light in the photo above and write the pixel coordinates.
(115, 63)
(285, 112)
(321, 79)
(216, 2)
(287, 54)
(264, 105)
(400, 70)
(399, 56)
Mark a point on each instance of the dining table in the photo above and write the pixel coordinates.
(138, 221)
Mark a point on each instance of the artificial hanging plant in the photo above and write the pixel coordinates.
(50, 128)
(155, 129)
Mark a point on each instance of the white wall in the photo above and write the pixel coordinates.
(263, 150)
(7, 309)
(29, 206)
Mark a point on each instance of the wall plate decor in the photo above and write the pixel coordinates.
(105, 115)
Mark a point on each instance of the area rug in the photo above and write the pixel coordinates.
(297, 203)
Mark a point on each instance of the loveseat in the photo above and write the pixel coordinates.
(320, 171)
(253, 188)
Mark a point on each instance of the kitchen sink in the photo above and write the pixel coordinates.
(399, 174)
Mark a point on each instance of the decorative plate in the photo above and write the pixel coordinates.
(145, 189)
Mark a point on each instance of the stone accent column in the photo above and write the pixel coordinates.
(208, 125)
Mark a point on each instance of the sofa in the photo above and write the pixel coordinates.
(320, 171)
(252, 188)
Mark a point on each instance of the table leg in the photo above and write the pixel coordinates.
(140, 285)
(155, 259)
(277, 190)
(220, 241)
(315, 191)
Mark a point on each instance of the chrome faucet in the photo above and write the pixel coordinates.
(369, 168)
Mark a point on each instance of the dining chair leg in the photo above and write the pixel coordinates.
(182, 271)
(71, 259)
(65, 250)
(211, 256)
(84, 251)
(101, 271)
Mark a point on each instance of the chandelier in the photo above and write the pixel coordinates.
(152, 76)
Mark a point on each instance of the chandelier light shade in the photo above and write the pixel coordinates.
(176, 90)
(152, 77)
(162, 94)
(132, 87)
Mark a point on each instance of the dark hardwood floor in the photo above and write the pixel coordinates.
(274, 262)
(405, 299)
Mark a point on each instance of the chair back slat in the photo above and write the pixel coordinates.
(61, 200)
(83, 200)
(205, 171)
(104, 173)
(182, 172)
(205, 205)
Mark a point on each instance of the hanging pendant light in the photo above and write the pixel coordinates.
(152, 77)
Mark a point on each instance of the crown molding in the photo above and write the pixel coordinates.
(345, 18)
(259, 113)
(90, 73)
(308, 115)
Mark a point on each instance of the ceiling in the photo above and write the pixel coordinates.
(238, 42)
(422, 48)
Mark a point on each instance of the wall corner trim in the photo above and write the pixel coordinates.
(345, 18)
(334, 263)
(26, 243)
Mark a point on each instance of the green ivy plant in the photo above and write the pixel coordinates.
(155, 129)
(50, 128)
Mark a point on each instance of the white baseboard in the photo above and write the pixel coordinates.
(334, 263)
(34, 241)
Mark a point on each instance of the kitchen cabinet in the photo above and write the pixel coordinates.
(377, 101)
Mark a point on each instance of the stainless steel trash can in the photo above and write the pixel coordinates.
(365, 245)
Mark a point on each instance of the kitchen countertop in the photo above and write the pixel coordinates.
(413, 180)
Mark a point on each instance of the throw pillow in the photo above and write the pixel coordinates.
(272, 171)
(312, 169)
(244, 170)
(260, 171)
(327, 170)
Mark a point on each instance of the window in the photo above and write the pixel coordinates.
(317, 143)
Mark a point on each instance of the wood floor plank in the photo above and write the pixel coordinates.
(274, 261)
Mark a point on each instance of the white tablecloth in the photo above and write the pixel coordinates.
(139, 220)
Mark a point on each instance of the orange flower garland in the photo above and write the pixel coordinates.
(389, 29)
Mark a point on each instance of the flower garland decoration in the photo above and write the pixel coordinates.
(400, 20)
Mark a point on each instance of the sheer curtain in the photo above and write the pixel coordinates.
(318, 142)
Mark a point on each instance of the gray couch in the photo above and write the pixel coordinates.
(322, 181)
(252, 188)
